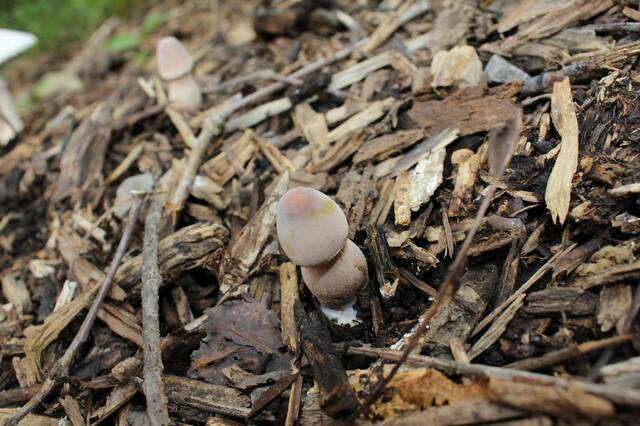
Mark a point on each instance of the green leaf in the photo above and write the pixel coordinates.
(152, 21)
(123, 42)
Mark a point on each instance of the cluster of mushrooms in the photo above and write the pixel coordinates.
(312, 230)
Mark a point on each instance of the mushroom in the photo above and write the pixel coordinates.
(175, 66)
(311, 227)
(312, 230)
(336, 283)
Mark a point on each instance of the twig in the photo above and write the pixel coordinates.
(630, 397)
(151, 282)
(564, 354)
(60, 371)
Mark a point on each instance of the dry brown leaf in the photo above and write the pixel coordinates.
(418, 389)
(563, 113)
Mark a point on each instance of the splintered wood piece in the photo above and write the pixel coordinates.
(116, 399)
(313, 126)
(497, 328)
(468, 164)
(556, 300)
(250, 241)
(187, 396)
(16, 292)
(30, 419)
(470, 115)
(121, 322)
(288, 298)
(558, 192)
(72, 410)
(386, 272)
(373, 112)
(339, 152)
(41, 336)
(614, 308)
(393, 21)
(381, 147)
(613, 275)
(459, 317)
(271, 152)
(554, 19)
(83, 157)
(185, 249)
(337, 398)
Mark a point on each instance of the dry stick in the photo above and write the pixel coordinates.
(564, 354)
(630, 397)
(60, 370)
(151, 282)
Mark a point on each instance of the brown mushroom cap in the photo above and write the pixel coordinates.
(311, 227)
(173, 58)
(336, 283)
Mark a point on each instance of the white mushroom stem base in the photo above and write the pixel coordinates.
(343, 316)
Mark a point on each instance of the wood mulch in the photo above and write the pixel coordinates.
(500, 292)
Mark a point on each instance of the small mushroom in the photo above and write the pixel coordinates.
(336, 283)
(311, 227)
(175, 66)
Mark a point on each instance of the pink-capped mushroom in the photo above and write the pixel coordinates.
(312, 230)
(311, 227)
(175, 66)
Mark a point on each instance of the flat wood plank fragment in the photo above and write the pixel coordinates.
(474, 115)
(563, 113)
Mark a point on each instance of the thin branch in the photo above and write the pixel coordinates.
(151, 282)
(60, 371)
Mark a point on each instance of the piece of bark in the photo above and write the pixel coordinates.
(212, 399)
(479, 113)
(381, 147)
(614, 308)
(30, 419)
(72, 410)
(459, 317)
(558, 191)
(249, 242)
(83, 157)
(557, 300)
(190, 247)
(337, 398)
(554, 19)
(613, 275)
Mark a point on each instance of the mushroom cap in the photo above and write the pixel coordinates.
(337, 282)
(185, 94)
(311, 227)
(173, 58)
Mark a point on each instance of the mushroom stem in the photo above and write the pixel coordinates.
(347, 315)
(184, 93)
